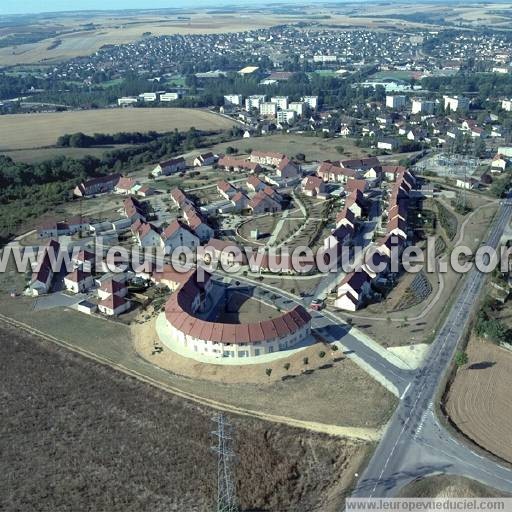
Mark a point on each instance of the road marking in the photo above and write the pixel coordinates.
(405, 392)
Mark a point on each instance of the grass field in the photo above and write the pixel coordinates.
(32, 156)
(479, 399)
(25, 131)
(314, 148)
(84, 437)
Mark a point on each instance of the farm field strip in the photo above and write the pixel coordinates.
(23, 131)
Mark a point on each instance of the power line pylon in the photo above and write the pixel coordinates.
(226, 494)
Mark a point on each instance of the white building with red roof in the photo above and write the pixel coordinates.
(78, 281)
(182, 328)
(312, 186)
(264, 203)
(177, 234)
(168, 167)
(43, 270)
(267, 158)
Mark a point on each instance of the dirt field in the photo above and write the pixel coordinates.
(479, 400)
(84, 437)
(448, 486)
(314, 148)
(307, 398)
(27, 131)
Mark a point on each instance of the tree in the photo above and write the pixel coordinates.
(461, 359)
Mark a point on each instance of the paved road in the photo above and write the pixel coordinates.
(415, 444)
(379, 362)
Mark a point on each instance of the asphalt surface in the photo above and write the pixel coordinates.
(415, 444)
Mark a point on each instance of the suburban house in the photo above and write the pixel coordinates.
(42, 274)
(226, 252)
(197, 224)
(205, 159)
(388, 143)
(225, 189)
(125, 186)
(339, 236)
(133, 209)
(353, 290)
(84, 260)
(391, 171)
(355, 203)
(177, 234)
(97, 185)
(499, 164)
(78, 281)
(170, 277)
(238, 165)
(112, 294)
(179, 198)
(346, 217)
(266, 158)
(312, 186)
(146, 234)
(330, 172)
(240, 201)
(264, 203)
(113, 305)
(255, 184)
(169, 167)
(287, 169)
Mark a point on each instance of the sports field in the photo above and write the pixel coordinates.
(24, 131)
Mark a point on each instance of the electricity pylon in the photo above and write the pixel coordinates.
(226, 493)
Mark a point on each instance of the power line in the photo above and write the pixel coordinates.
(226, 493)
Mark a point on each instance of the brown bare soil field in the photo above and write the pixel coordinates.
(84, 437)
(479, 400)
(448, 486)
(19, 131)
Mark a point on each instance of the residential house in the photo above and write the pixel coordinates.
(113, 305)
(205, 159)
(125, 186)
(287, 169)
(134, 209)
(43, 271)
(176, 235)
(353, 290)
(78, 281)
(168, 167)
(266, 158)
(238, 165)
(264, 203)
(96, 185)
(197, 224)
(313, 185)
(255, 184)
(499, 164)
(225, 189)
(146, 234)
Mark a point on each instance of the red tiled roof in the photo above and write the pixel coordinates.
(178, 311)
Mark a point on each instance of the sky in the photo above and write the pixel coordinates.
(35, 6)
